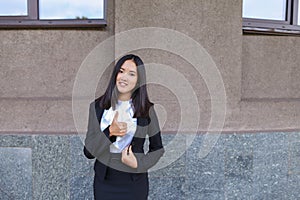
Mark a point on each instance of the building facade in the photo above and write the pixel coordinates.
(256, 156)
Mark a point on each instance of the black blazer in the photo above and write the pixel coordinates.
(97, 142)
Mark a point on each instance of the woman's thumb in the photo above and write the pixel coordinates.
(116, 116)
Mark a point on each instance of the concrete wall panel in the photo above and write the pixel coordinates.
(216, 25)
(270, 67)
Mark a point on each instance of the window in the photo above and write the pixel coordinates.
(263, 10)
(52, 13)
(271, 16)
(14, 8)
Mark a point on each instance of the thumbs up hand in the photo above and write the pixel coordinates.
(117, 128)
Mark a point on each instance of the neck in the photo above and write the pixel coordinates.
(124, 97)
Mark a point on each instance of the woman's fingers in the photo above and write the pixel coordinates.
(122, 133)
(122, 128)
(128, 157)
(118, 131)
(118, 128)
(122, 125)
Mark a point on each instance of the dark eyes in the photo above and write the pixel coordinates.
(130, 73)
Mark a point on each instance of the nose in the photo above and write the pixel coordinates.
(123, 77)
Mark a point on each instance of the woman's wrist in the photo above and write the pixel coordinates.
(109, 131)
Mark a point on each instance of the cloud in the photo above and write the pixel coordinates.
(56, 9)
(13, 7)
(266, 9)
(69, 9)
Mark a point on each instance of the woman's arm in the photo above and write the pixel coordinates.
(156, 149)
(96, 142)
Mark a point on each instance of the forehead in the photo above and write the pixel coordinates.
(129, 65)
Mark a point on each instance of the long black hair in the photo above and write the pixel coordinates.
(140, 99)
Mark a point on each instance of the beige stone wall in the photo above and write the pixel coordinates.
(260, 73)
(270, 82)
(215, 25)
(37, 72)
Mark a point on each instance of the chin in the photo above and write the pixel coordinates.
(122, 90)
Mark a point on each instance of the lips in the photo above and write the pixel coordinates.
(123, 84)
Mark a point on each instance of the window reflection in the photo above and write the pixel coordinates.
(298, 14)
(71, 9)
(265, 9)
(13, 8)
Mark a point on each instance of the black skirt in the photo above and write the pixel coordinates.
(119, 185)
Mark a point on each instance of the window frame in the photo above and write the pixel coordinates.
(32, 19)
(277, 27)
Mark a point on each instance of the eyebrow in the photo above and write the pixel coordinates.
(129, 71)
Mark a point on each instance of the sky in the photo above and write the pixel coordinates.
(265, 9)
(56, 9)
(13, 7)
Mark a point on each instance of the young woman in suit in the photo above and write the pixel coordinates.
(119, 122)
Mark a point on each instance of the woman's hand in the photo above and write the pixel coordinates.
(128, 158)
(117, 128)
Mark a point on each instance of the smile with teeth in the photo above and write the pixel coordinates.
(123, 84)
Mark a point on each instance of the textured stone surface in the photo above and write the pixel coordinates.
(269, 115)
(205, 176)
(239, 157)
(293, 187)
(16, 173)
(261, 67)
(275, 75)
(44, 62)
(51, 167)
(38, 115)
(294, 166)
(38, 70)
(238, 166)
(294, 136)
(16, 140)
(270, 79)
(172, 158)
(214, 25)
(81, 171)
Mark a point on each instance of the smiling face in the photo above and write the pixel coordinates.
(126, 80)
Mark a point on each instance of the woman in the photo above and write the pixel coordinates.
(118, 124)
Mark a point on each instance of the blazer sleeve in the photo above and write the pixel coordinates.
(96, 142)
(156, 150)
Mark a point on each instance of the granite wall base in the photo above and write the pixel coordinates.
(239, 166)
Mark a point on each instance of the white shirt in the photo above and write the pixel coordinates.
(125, 111)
